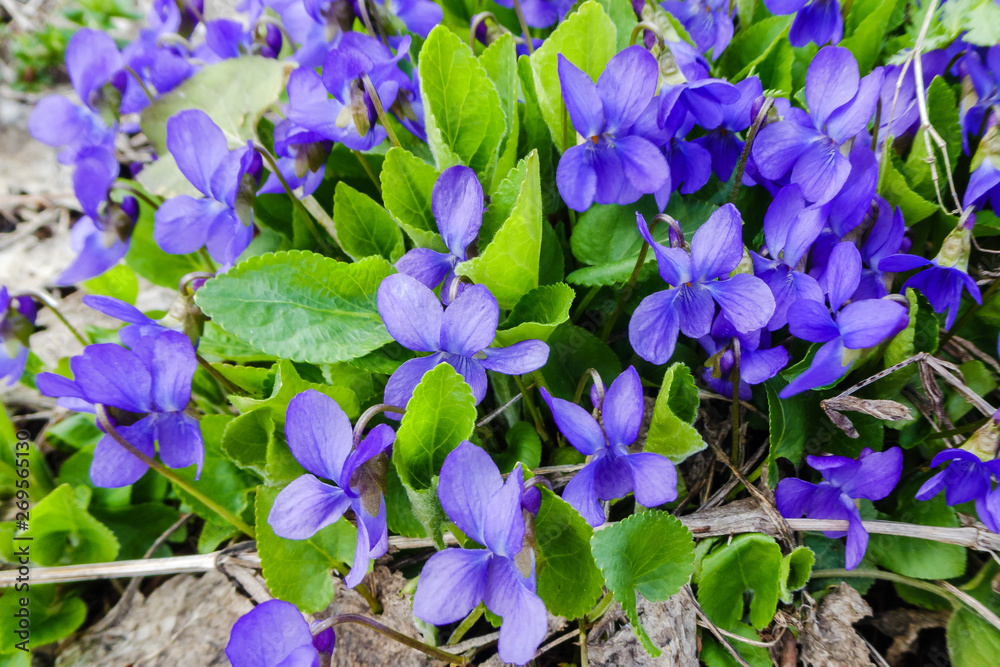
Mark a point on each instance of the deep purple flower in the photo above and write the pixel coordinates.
(722, 142)
(272, 634)
(457, 204)
(162, 67)
(945, 276)
(137, 324)
(321, 439)
(817, 21)
(222, 220)
(966, 477)
(984, 180)
(459, 335)
(855, 327)
(17, 322)
(885, 238)
(419, 16)
(790, 228)
(613, 472)
(872, 477)
(541, 13)
(454, 581)
(699, 281)
(982, 94)
(99, 246)
(611, 164)
(906, 116)
(311, 35)
(153, 379)
(758, 363)
(840, 106)
(709, 22)
(690, 168)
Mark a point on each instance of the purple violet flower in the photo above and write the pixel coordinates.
(709, 22)
(855, 327)
(983, 93)
(541, 13)
(151, 381)
(945, 276)
(99, 246)
(272, 634)
(722, 142)
(966, 477)
(698, 282)
(454, 581)
(222, 220)
(321, 439)
(459, 335)
(17, 321)
(885, 238)
(611, 164)
(757, 364)
(457, 204)
(984, 180)
(137, 326)
(817, 21)
(419, 16)
(809, 146)
(613, 472)
(872, 476)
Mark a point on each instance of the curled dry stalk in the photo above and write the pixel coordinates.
(358, 619)
(53, 305)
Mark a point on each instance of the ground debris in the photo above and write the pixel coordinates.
(671, 626)
(829, 639)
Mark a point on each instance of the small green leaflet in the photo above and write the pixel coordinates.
(568, 579)
(671, 430)
(749, 563)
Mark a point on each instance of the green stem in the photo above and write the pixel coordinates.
(466, 625)
(136, 192)
(602, 606)
(109, 428)
(524, 27)
(296, 202)
(368, 169)
(582, 306)
(532, 408)
(961, 430)
(207, 259)
(53, 305)
(888, 576)
(751, 135)
(373, 604)
(142, 84)
(380, 110)
(626, 293)
(584, 658)
(435, 653)
(227, 385)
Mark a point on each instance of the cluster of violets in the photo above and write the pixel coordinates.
(655, 125)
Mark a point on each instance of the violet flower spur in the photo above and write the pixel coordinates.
(699, 281)
(321, 439)
(855, 327)
(454, 581)
(17, 322)
(457, 204)
(222, 220)
(872, 476)
(817, 21)
(944, 277)
(151, 381)
(272, 634)
(613, 472)
(459, 335)
(809, 146)
(612, 164)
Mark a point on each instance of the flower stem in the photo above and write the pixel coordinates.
(368, 169)
(584, 302)
(53, 305)
(598, 382)
(745, 155)
(524, 27)
(466, 625)
(373, 604)
(888, 576)
(207, 259)
(227, 384)
(125, 186)
(109, 428)
(626, 292)
(142, 84)
(435, 653)
(366, 416)
(529, 402)
(380, 110)
(584, 658)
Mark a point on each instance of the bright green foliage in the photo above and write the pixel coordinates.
(568, 579)
(981, 18)
(407, 184)
(587, 38)
(363, 227)
(942, 110)
(500, 62)
(234, 93)
(53, 616)
(671, 429)
(300, 305)
(118, 282)
(749, 563)
(524, 446)
(63, 532)
(399, 511)
(439, 416)
(753, 44)
(572, 350)
(247, 439)
(137, 526)
(972, 641)
(917, 558)
(795, 570)
(872, 18)
(464, 116)
(288, 383)
(651, 554)
(147, 260)
(537, 314)
(298, 571)
(714, 654)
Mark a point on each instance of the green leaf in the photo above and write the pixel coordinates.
(399, 511)
(973, 641)
(866, 41)
(509, 264)
(713, 654)
(898, 192)
(537, 314)
(118, 282)
(981, 18)
(146, 259)
(612, 272)
(503, 199)
(138, 527)
(523, 446)
(300, 305)
(428, 511)
(298, 571)
(407, 184)
(920, 335)
(439, 416)
(588, 39)
(54, 615)
(788, 425)
(63, 532)
(942, 110)
(234, 93)
(749, 563)
(752, 44)
(363, 227)
(464, 117)
(651, 553)
(499, 59)
(569, 582)
(623, 16)
(914, 557)
(246, 440)
(671, 429)
(796, 568)
(573, 350)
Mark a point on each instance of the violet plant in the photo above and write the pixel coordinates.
(401, 257)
